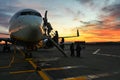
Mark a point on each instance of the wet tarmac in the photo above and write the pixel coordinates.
(97, 62)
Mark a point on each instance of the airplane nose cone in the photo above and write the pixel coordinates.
(32, 30)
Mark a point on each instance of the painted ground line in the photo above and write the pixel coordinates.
(96, 51)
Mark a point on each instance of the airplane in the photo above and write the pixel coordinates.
(28, 28)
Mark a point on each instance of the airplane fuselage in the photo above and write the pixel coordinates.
(27, 26)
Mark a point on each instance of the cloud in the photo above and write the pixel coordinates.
(112, 19)
(113, 10)
(4, 19)
(91, 22)
(91, 25)
(117, 26)
(106, 29)
(102, 35)
(75, 14)
(94, 4)
(7, 9)
(9, 5)
(90, 2)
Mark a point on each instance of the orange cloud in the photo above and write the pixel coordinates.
(103, 35)
(107, 30)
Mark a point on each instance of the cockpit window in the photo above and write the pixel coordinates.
(30, 13)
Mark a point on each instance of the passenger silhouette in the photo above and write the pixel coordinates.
(72, 50)
(62, 45)
(49, 28)
(55, 38)
(78, 50)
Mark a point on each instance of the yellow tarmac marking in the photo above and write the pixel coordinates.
(18, 72)
(33, 64)
(41, 73)
(77, 78)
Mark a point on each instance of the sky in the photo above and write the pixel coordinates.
(97, 20)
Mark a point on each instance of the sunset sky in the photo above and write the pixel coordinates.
(97, 20)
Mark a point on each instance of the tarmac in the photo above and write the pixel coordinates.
(97, 62)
